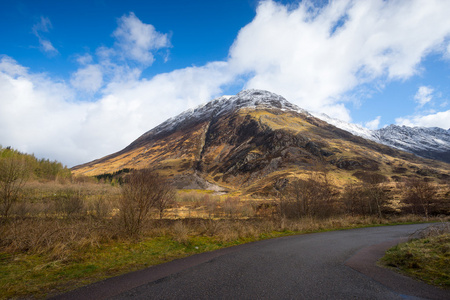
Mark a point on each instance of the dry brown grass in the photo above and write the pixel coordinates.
(44, 223)
(59, 238)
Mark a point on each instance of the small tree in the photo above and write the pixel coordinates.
(352, 199)
(164, 195)
(420, 196)
(143, 190)
(366, 198)
(14, 172)
(312, 197)
(375, 197)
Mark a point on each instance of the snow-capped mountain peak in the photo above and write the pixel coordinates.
(251, 98)
(431, 143)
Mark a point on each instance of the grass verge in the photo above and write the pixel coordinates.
(42, 274)
(426, 258)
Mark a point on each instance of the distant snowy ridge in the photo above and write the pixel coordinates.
(428, 142)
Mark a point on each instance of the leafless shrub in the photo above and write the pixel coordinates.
(211, 227)
(211, 205)
(230, 206)
(69, 203)
(142, 191)
(180, 232)
(365, 199)
(54, 236)
(100, 208)
(312, 197)
(420, 196)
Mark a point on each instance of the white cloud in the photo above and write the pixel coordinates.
(84, 59)
(293, 50)
(47, 46)
(440, 119)
(297, 52)
(373, 124)
(39, 115)
(136, 40)
(89, 79)
(43, 26)
(424, 95)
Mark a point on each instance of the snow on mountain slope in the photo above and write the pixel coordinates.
(352, 128)
(248, 98)
(431, 143)
(415, 137)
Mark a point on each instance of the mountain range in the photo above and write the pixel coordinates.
(256, 140)
(428, 142)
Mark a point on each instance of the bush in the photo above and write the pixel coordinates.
(313, 197)
(365, 199)
(14, 172)
(420, 196)
(69, 203)
(143, 190)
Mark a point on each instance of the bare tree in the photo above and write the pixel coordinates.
(375, 197)
(366, 198)
(14, 172)
(352, 197)
(313, 197)
(143, 190)
(420, 196)
(164, 195)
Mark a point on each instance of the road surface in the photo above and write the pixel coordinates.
(329, 265)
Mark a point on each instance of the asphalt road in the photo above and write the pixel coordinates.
(330, 265)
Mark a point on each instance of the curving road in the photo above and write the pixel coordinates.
(330, 265)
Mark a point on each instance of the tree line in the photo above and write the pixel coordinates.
(316, 196)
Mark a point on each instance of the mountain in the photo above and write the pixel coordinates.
(254, 141)
(433, 143)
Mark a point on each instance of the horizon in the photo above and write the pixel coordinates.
(83, 80)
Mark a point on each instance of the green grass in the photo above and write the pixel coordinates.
(38, 275)
(427, 259)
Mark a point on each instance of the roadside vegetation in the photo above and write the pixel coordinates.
(425, 257)
(58, 232)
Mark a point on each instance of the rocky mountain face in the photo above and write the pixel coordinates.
(254, 141)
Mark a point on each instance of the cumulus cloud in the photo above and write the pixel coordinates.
(39, 115)
(136, 40)
(373, 124)
(43, 26)
(317, 57)
(44, 116)
(132, 52)
(423, 95)
(438, 119)
(89, 79)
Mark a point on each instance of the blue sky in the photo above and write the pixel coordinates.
(82, 79)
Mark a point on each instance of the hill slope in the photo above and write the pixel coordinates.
(254, 141)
